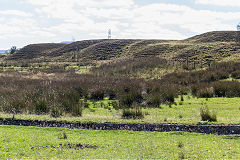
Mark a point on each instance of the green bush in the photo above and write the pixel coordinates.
(77, 110)
(168, 96)
(155, 100)
(205, 93)
(126, 100)
(69, 100)
(15, 106)
(206, 115)
(97, 94)
(129, 94)
(133, 113)
(41, 107)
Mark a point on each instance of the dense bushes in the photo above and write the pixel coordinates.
(163, 94)
(130, 66)
(227, 89)
(188, 78)
(203, 91)
(217, 89)
(215, 72)
(66, 95)
(206, 83)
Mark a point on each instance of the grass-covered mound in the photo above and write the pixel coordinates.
(196, 52)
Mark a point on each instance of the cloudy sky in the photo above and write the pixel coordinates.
(24, 22)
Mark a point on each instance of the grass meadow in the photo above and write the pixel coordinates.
(45, 143)
(185, 112)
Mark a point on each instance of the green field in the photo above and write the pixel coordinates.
(42, 143)
(186, 112)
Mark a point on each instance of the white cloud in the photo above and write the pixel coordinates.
(15, 13)
(58, 20)
(196, 21)
(92, 18)
(232, 3)
(89, 3)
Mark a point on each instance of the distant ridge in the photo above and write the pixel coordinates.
(34, 50)
(204, 48)
(216, 36)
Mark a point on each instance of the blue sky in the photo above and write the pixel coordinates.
(25, 22)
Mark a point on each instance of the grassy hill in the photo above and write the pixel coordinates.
(35, 50)
(193, 53)
(216, 36)
(207, 43)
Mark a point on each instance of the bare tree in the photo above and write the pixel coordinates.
(13, 49)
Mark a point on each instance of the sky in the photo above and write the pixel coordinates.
(24, 22)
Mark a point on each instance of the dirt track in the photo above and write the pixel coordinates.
(208, 129)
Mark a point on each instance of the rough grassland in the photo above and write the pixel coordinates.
(21, 142)
(227, 110)
(204, 48)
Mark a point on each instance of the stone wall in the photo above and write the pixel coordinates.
(208, 129)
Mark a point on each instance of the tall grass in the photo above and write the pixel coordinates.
(58, 96)
(206, 115)
(62, 95)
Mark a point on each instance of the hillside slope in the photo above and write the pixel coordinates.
(198, 51)
(35, 50)
(216, 36)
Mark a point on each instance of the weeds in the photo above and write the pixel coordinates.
(206, 115)
(77, 110)
(62, 135)
(165, 120)
(180, 116)
(180, 144)
(133, 113)
(41, 107)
